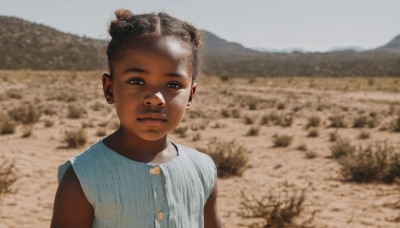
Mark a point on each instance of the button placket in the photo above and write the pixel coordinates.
(157, 187)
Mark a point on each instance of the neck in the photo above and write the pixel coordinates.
(133, 147)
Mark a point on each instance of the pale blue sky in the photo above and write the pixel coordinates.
(315, 25)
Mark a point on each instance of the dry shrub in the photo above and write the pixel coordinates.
(253, 131)
(280, 106)
(26, 113)
(14, 93)
(181, 131)
(282, 140)
(378, 162)
(75, 111)
(337, 121)
(48, 122)
(7, 177)
(302, 147)
(101, 132)
(7, 126)
(27, 131)
(283, 120)
(75, 138)
(248, 120)
(313, 121)
(313, 132)
(360, 121)
(333, 136)
(395, 124)
(281, 209)
(342, 147)
(230, 158)
(97, 106)
(364, 135)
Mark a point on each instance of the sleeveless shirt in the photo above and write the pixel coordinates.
(128, 193)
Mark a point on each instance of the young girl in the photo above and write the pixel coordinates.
(137, 177)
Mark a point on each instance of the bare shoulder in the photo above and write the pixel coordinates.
(71, 207)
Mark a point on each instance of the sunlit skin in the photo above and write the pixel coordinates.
(151, 86)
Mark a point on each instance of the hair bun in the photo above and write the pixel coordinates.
(123, 14)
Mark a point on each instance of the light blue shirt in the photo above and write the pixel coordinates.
(128, 193)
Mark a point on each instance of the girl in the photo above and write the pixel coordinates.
(137, 177)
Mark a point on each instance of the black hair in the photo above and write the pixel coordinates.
(128, 26)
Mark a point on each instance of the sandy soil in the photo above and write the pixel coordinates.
(335, 201)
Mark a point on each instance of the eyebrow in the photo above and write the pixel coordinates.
(143, 71)
(135, 70)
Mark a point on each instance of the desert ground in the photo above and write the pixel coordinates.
(310, 116)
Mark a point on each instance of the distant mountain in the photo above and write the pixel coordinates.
(26, 45)
(346, 48)
(278, 50)
(34, 46)
(215, 46)
(393, 45)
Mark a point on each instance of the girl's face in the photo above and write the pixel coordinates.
(151, 87)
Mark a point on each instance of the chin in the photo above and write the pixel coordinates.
(153, 137)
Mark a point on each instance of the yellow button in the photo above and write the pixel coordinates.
(155, 171)
(160, 215)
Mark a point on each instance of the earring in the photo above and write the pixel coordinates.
(108, 100)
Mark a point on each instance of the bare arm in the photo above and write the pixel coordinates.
(211, 215)
(71, 207)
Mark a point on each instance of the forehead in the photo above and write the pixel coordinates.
(167, 47)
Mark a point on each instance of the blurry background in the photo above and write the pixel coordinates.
(261, 38)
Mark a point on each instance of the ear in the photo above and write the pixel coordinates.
(107, 88)
(192, 92)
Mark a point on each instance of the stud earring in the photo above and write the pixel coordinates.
(108, 100)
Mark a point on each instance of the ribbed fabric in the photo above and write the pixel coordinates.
(125, 193)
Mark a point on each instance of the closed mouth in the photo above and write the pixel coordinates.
(152, 118)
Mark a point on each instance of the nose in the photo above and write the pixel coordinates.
(155, 99)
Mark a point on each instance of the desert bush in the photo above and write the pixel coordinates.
(282, 140)
(364, 135)
(310, 154)
(248, 120)
(360, 122)
(280, 106)
(395, 124)
(97, 106)
(101, 132)
(337, 121)
(333, 136)
(7, 126)
(276, 210)
(7, 177)
(75, 111)
(26, 113)
(48, 122)
(253, 131)
(14, 93)
(181, 131)
(378, 162)
(313, 121)
(341, 147)
(196, 137)
(75, 138)
(27, 131)
(230, 158)
(302, 147)
(313, 132)
(225, 113)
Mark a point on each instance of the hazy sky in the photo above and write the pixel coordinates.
(315, 25)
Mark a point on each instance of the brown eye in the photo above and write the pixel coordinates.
(136, 81)
(174, 85)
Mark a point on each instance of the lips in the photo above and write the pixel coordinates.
(152, 119)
